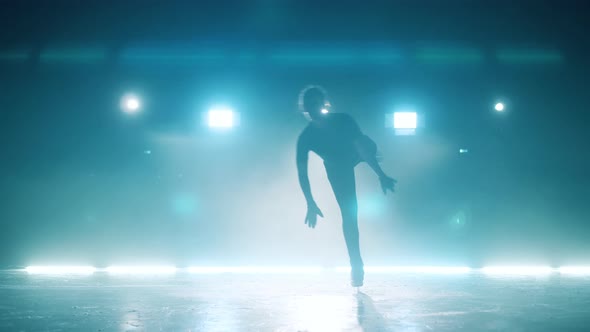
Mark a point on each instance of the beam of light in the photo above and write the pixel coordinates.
(499, 107)
(174, 55)
(529, 56)
(315, 56)
(420, 269)
(575, 270)
(54, 269)
(518, 270)
(221, 118)
(73, 55)
(405, 120)
(382, 55)
(254, 269)
(130, 104)
(154, 269)
(452, 55)
(412, 269)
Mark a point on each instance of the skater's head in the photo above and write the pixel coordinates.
(312, 100)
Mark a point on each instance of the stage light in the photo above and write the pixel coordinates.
(130, 104)
(141, 269)
(60, 269)
(325, 111)
(499, 107)
(412, 269)
(221, 118)
(518, 270)
(253, 269)
(575, 270)
(405, 120)
(463, 151)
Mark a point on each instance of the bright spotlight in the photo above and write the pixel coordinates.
(324, 111)
(221, 118)
(405, 120)
(141, 269)
(412, 269)
(60, 269)
(517, 270)
(254, 269)
(499, 107)
(130, 104)
(575, 270)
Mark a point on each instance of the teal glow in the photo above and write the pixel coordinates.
(458, 220)
(184, 205)
(383, 57)
(73, 55)
(246, 56)
(14, 56)
(582, 271)
(320, 56)
(529, 56)
(449, 56)
(174, 57)
(371, 205)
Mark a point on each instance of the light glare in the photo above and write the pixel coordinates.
(522, 270)
(412, 269)
(574, 269)
(155, 269)
(141, 269)
(60, 269)
(130, 104)
(221, 118)
(499, 107)
(405, 120)
(252, 269)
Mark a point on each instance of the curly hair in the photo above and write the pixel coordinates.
(311, 92)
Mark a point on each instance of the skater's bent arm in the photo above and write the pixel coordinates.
(370, 157)
(374, 164)
(365, 147)
(302, 158)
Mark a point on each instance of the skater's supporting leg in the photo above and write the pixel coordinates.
(343, 184)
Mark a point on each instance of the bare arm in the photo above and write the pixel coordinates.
(302, 159)
(313, 211)
(368, 153)
(367, 150)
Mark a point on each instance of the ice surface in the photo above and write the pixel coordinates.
(285, 302)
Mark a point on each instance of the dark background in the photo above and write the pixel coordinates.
(77, 186)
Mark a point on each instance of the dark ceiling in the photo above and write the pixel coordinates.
(557, 23)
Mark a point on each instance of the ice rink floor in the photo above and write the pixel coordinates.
(293, 302)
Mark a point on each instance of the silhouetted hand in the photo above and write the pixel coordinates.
(387, 183)
(313, 211)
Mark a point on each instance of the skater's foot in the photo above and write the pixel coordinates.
(357, 276)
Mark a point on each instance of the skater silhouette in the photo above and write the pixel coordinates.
(338, 140)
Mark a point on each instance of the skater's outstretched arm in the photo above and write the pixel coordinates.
(302, 158)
